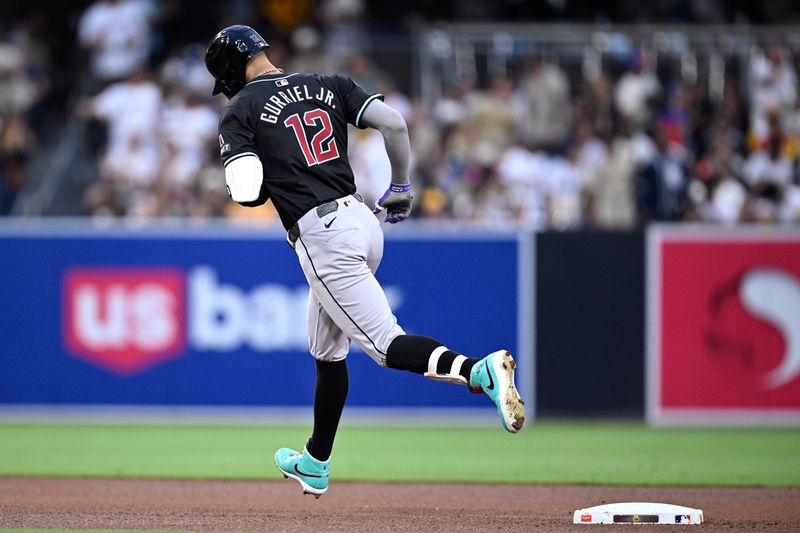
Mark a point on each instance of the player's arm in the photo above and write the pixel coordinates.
(244, 174)
(365, 110)
(393, 127)
(398, 197)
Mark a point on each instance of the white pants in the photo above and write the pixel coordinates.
(339, 254)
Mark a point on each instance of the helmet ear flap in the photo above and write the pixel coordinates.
(217, 88)
(230, 88)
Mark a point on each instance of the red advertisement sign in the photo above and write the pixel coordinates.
(724, 320)
(124, 319)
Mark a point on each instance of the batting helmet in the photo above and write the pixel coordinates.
(228, 54)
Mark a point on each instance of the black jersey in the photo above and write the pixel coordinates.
(297, 125)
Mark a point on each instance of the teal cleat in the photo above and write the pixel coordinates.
(312, 474)
(494, 375)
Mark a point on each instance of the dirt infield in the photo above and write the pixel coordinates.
(70, 503)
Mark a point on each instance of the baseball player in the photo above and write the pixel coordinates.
(283, 136)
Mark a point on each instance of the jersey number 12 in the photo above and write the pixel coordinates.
(323, 146)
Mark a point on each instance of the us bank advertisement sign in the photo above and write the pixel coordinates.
(217, 316)
(724, 326)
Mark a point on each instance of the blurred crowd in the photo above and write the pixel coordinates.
(23, 81)
(534, 148)
(531, 150)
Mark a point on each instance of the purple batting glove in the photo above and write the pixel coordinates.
(396, 201)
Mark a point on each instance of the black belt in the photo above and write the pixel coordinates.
(323, 209)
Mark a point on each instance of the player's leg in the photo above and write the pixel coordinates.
(429, 357)
(329, 347)
(357, 304)
(339, 267)
(416, 353)
(334, 259)
(492, 375)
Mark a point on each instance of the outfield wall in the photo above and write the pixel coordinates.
(685, 324)
(590, 324)
(679, 324)
(723, 326)
(215, 315)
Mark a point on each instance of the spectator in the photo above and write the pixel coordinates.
(676, 115)
(129, 108)
(17, 92)
(590, 153)
(597, 105)
(309, 55)
(773, 89)
(768, 174)
(722, 132)
(186, 71)
(127, 186)
(131, 175)
(662, 183)
(492, 117)
(135, 167)
(790, 208)
(544, 114)
(16, 144)
(364, 73)
(131, 160)
(612, 190)
(424, 136)
(211, 199)
(344, 35)
(494, 206)
(117, 35)
(716, 195)
(564, 191)
(188, 131)
(636, 91)
(524, 174)
(770, 167)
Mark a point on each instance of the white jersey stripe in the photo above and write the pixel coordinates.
(364, 106)
(237, 156)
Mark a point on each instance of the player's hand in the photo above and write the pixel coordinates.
(396, 201)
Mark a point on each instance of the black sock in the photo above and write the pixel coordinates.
(412, 352)
(329, 397)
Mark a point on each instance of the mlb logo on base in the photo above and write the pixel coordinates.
(124, 319)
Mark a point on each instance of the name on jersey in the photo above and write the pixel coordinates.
(292, 95)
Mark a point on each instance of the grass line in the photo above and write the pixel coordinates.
(614, 453)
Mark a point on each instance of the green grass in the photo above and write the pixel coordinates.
(613, 453)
